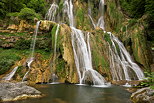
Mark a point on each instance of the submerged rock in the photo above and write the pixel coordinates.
(144, 95)
(16, 91)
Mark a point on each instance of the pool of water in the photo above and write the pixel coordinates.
(68, 93)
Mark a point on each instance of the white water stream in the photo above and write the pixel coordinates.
(11, 74)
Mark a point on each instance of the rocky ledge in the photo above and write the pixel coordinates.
(17, 91)
(144, 95)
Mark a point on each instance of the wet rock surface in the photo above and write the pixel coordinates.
(16, 91)
(144, 95)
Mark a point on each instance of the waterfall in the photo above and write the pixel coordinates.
(51, 14)
(34, 40)
(11, 74)
(25, 76)
(82, 52)
(54, 57)
(121, 61)
(55, 44)
(32, 49)
(68, 8)
(82, 56)
(100, 22)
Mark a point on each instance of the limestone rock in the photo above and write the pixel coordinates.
(144, 95)
(15, 91)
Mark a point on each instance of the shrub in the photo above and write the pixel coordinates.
(6, 61)
(149, 80)
(23, 44)
(28, 14)
(14, 14)
(134, 8)
(38, 5)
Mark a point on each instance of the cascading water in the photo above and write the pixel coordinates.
(25, 76)
(11, 74)
(51, 14)
(100, 22)
(68, 8)
(54, 57)
(32, 49)
(82, 52)
(121, 62)
(34, 39)
(82, 56)
(55, 44)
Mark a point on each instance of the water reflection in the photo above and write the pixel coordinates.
(66, 93)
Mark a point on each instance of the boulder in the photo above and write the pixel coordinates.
(144, 95)
(16, 91)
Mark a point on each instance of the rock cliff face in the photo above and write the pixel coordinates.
(131, 32)
(64, 65)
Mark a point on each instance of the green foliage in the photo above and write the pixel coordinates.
(149, 7)
(13, 6)
(107, 38)
(22, 44)
(2, 11)
(14, 14)
(80, 17)
(7, 60)
(53, 31)
(132, 22)
(134, 8)
(149, 80)
(60, 65)
(61, 5)
(28, 14)
(19, 71)
(38, 5)
(44, 44)
(137, 8)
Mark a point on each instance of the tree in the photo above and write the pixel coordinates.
(38, 6)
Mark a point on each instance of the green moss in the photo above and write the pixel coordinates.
(23, 44)
(61, 5)
(60, 65)
(99, 60)
(116, 17)
(53, 31)
(19, 71)
(107, 38)
(132, 22)
(80, 17)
